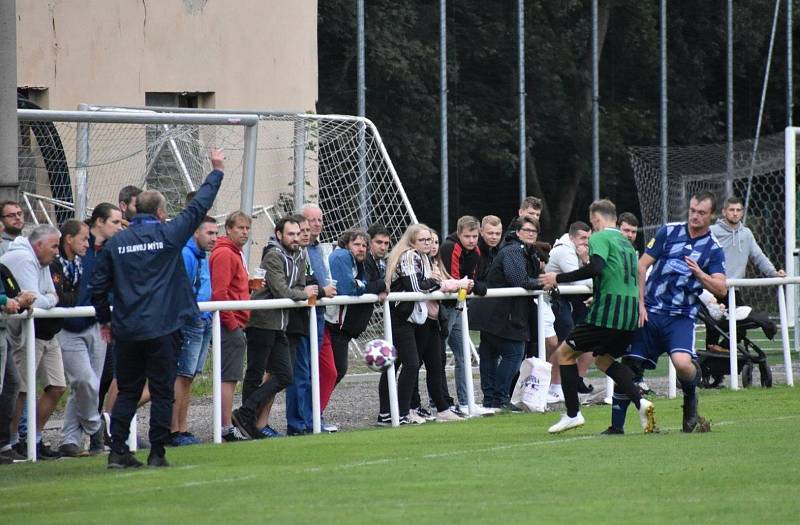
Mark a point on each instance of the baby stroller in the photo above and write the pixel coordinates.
(715, 359)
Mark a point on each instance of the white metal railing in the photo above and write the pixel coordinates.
(272, 304)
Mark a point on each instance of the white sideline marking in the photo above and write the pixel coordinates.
(517, 445)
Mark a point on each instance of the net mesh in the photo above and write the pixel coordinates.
(758, 179)
(345, 170)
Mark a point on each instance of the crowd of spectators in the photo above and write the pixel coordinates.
(110, 364)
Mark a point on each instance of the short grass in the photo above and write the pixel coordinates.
(504, 469)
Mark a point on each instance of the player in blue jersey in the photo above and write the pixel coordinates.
(685, 258)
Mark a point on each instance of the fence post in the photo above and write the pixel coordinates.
(216, 374)
(787, 355)
(541, 349)
(30, 380)
(466, 350)
(672, 387)
(391, 379)
(133, 430)
(313, 335)
(732, 340)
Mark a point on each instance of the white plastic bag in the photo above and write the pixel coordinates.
(530, 392)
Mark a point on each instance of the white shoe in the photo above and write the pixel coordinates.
(446, 416)
(567, 423)
(647, 416)
(555, 397)
(486, 411)
(414, 418)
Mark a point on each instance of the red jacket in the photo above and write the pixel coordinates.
(229, 281)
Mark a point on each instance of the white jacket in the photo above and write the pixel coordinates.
(564, 258)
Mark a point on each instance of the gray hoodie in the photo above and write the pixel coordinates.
(740, 246)
(30, 275)
(564, 258)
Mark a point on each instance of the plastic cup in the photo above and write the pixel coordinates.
(256, 281)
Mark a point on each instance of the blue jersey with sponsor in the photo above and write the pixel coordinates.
(672, 288)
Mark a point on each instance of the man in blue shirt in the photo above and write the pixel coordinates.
(196, 334)
(686, 259)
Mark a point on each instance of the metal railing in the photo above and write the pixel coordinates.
(271, 304)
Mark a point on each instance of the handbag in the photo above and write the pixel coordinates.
(419, 315)
(530, 392)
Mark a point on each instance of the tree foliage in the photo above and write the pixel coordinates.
(402, 77)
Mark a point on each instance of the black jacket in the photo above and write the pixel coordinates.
(487, 257)
(508, 317)
(357, 316)
(460, 262)
(67, 297)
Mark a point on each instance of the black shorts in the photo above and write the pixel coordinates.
(599, 340)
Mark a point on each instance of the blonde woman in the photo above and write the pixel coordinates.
(408, 270)
(430, 343)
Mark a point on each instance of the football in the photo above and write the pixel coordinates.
(379, 354)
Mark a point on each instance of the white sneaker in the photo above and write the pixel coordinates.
(486, 411)
(567, 423)
(414, 418)
(647, 416)
(446, 416)
(555, 397)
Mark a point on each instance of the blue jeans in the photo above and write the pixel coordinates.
(298, 394)
(500, 360)
(196, 337)
(454, 341)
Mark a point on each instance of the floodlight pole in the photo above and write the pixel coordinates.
(729, 103)
(443, 116)
(789, 83)
(595, 106)
(663, 109)
(363, 189)
(521, 96)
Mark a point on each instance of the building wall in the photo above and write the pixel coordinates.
(249, 53)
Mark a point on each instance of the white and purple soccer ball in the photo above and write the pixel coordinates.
(379, 354)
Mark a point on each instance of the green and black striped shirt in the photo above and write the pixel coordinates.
(616, 294)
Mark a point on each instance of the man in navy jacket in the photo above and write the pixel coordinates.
(143, 269)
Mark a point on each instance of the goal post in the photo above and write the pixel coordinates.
(790, 173)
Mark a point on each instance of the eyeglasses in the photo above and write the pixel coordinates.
(12, 215)
(426, 240)
(528, 230)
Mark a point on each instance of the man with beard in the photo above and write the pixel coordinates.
(267, 346)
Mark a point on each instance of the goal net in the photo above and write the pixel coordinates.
(340, 162)
(758, 179)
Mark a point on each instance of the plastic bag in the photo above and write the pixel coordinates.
(530, 392)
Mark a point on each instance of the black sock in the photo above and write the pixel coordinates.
(623, 377)
(690, 387)
(569, 384)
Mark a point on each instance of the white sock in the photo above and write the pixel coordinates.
(555, 388)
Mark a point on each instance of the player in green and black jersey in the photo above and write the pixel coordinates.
(612, 319)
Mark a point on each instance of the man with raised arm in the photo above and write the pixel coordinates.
(143, 268)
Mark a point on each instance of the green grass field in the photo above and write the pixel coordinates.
(502, 469)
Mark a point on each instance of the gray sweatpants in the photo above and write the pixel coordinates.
(84, 354)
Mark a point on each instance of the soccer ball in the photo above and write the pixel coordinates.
(379, 354)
